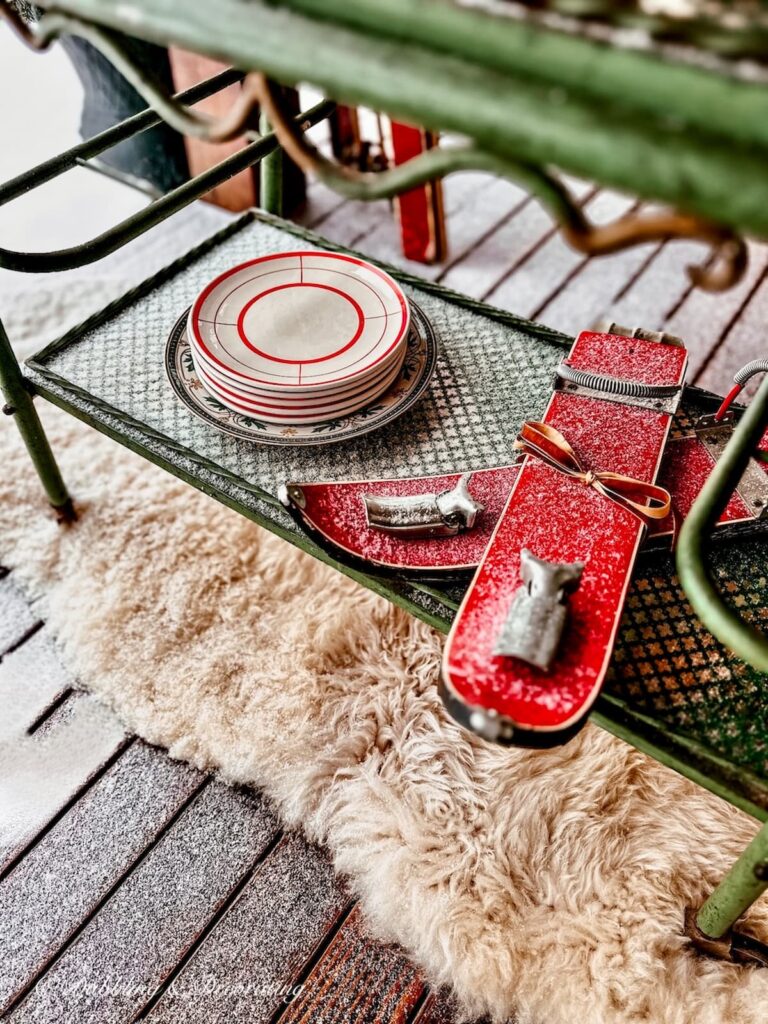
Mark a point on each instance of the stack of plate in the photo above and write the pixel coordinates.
(299, 337)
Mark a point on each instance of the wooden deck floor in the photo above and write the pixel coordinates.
(133, 887)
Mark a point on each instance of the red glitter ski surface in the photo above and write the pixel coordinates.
(561, 520)
(338, 512)
(684, 470)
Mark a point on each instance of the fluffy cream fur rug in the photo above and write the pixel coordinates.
(547, 884)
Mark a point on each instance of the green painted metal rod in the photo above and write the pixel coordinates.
(744, 640)
(127, 129)
(271, 176)
(155, 212)
(517, 117)
(20, 406)
(714, 103)
(747, 879)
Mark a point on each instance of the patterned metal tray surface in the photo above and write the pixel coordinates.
(493, 371)
(488, 376)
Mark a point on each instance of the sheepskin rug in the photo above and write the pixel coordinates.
(546, 885)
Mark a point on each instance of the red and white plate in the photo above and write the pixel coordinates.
(293, 399)
(317, 410)
(409, 387)
(300, 322)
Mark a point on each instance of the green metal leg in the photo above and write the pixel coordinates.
(747, 879)
(271, 176)
(711, 929)
(19, 404)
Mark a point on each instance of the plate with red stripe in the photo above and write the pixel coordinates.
(300, 321)
(409, 387)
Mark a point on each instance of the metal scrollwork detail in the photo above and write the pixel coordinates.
(725, 266)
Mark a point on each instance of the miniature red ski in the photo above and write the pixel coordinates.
(339, 516)
(336, 513)
(530, 646)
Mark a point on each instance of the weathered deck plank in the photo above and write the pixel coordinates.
(358, 980)
(148, 924)
(17, 618)
(32, 679)
(43, 773)
(62, 881)
(493, 203)
(320, 203)
(550, 263)
(248, 965)
(746, 340)
(485, 200)
(704, 319)
(484, 270)
(660, 288)
(441, 1008)
(350, 223)
(590, 294)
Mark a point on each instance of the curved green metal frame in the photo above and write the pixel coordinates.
(689, 136)
(744, 640)
(258, 91)
(154, 213)
(39, 36)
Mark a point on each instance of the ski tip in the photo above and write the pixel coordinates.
(489, 725)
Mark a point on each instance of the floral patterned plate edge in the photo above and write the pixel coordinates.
(412, 382)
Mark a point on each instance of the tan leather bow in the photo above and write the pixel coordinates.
(644, 500)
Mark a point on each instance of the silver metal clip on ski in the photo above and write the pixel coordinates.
(536, 618)
(424, 515)
(662, 397)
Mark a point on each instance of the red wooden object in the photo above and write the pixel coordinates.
(420, 211)
(561, 520)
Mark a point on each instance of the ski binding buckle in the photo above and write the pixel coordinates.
(536, 618)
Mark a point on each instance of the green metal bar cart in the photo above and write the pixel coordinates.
(534, 101)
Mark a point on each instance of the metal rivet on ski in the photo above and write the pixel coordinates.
(291, 494)
(536, 618)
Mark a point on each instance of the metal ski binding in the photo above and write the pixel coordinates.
(424, 515)
(536, 618)
(724, 414)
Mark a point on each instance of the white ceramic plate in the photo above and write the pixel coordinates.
(299, 320)
(410, 385)
(305, 414)
(297, 399)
